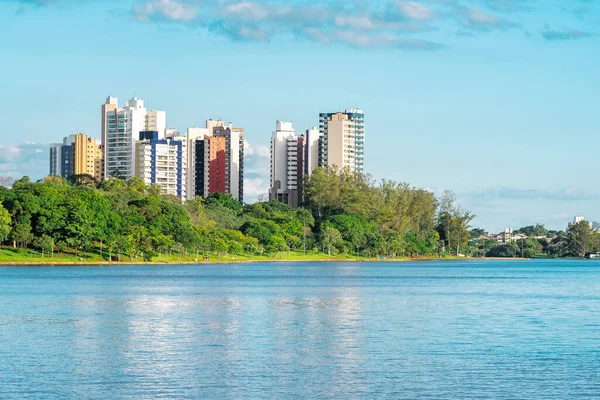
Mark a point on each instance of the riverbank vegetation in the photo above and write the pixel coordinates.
(581, 239)
(345, 215)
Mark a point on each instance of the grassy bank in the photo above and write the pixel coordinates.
(11, 256)
(94, 256)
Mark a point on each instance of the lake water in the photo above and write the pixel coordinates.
(439, 330)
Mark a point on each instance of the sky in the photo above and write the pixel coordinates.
(496, 100)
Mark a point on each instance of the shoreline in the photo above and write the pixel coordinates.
(229, 262)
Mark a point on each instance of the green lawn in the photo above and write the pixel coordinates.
(11, 255)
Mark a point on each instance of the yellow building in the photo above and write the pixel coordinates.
(87, 157)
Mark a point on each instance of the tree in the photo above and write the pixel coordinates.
(581, 239)
(44, 243)
(83, 179)
(444, 216)
(21, 233)
(224, 199)
(330, 237)
(261, 229)
(353, 229)
(5, 223)
(220, 247)
(453, 222)
(459, 227)
(533, 230)
(477, 233)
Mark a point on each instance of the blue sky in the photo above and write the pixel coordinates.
(494, 99)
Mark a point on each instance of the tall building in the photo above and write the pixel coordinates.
(174, 136)
(159, 161)
(311, 150)
(287, 165)
(157, 121)
(218, 165)
(120, 131)
(87, 157)
(61, 157)
(192, 136)
(342, 140)
(109, 107)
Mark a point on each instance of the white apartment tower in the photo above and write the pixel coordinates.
(287, 166)
(160, 162)
(342, 140)
(121, 128)
(311, 150)
(172, 136)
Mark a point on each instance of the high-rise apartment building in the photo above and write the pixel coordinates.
(311, 150)
(192, 136)
(218, 165)
(157, 121)
(342, 140)
(61, 157)
(287, 165)
(120, 131)
(160, 161)
(87, 157)
(174, 136)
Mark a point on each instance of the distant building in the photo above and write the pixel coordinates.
(159, 161)
(61, 157)
(342, 140)
(287, 165)
(218, 160)
(509, 236)
(311, 150)
(174, 136)
(87, 157)
(120, 131)
(193, 135)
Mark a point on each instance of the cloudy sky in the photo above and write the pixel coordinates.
(494, 99)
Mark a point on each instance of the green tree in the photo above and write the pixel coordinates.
(220, 247)
(581, 239)
(477, 233)
(533, 230)
(5, 224)
(263, 230)
(224, 199)
(330, 237)
(43, 243)
(21, 233)
(459, 228)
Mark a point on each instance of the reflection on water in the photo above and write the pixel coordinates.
(438, 330)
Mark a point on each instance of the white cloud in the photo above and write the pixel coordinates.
(371, 40)
(171, 10)
(9, 153)
(414, 10)
(256, 150)
(255, 188)
(253, 20)
(26, 159)
(476, 19)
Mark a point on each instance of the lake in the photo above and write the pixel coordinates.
(439, 330)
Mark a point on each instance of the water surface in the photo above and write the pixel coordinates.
(505, 330)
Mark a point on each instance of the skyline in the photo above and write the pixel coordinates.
(504, 116)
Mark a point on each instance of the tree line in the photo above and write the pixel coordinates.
(578, 240)
(343, 213)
